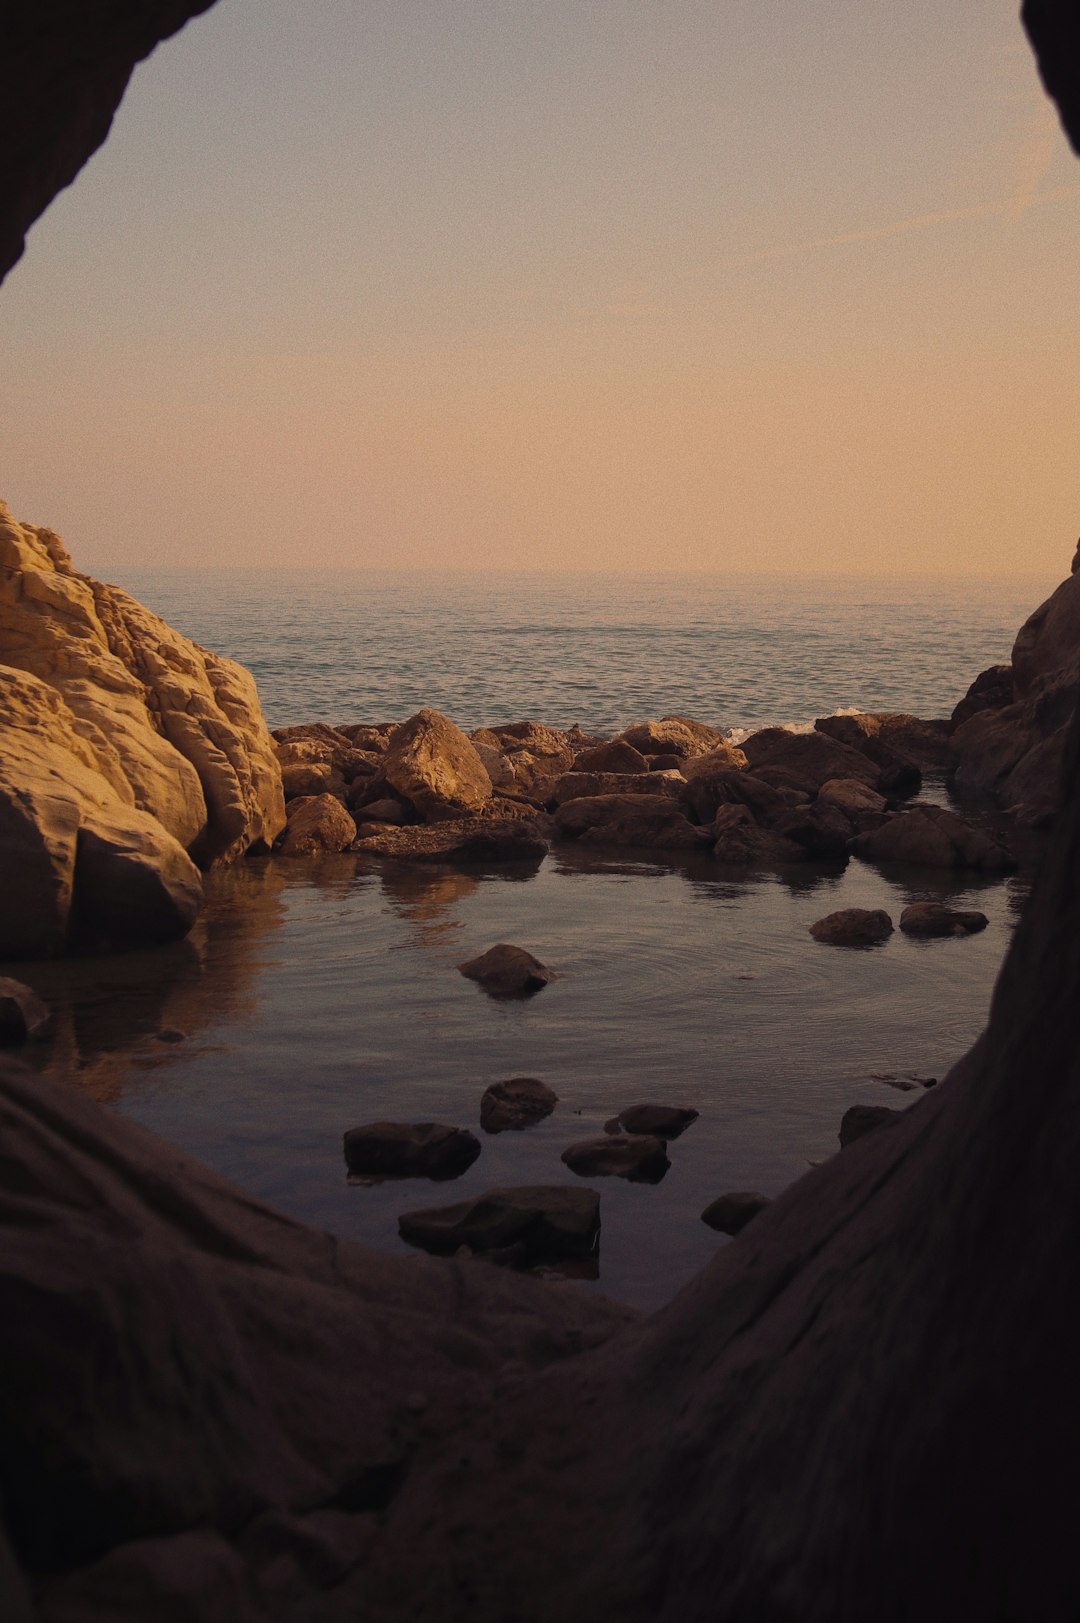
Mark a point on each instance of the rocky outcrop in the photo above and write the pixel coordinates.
(122, 743)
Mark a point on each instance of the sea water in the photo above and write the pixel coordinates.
(314, 996)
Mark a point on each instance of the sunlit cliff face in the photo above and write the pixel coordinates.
(701, 288)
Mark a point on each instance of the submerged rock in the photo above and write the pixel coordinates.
(853, 927)
(507, 971)
(935, 919)
(390, 1149)
(436, 767)
(638, 1157)
(545, 1223)
(729, 1214)
(520, 1102)
(23, 1015)
(661, 1121)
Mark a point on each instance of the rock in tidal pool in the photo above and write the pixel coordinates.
(862, 1119)
(661, 1121)
(638, 1157)
(853, 927)
(507, 971)
(391, 1149)
(540, 1223)
(730, 1213)
(520, 1102)
(469, 839)
(935, 919)
(23, 1016)
(933, 837)
(317, 823)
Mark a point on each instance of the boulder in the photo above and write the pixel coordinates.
(309, 778)
(729, 1214)
(853, 927)
(935, 919)
(883, 734)
(723, 757)
(373, 738)
(546, 1223)
(807, 760)
(175, 730)
(515, 1104)
(614, 756)
(629, 819)
(860, 804)
(507, 971)
(739, 841)
(933, 837)
(134, 886)
(992, 689)
(469, 839)
(862, 1119)
(704, 793)
(391, 1149)
(380, 811)
(23, 1015)
(496, 765)
(656, 1121)
(673, 735)
(638, 1157)
(587, 785)
(317, 823)
(534, 771)
(532, 736)
(820, 829)
(431, 762)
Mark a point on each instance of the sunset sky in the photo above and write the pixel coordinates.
(588, 284)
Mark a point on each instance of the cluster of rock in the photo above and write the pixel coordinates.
(868, 927)
(425, 790)
(130, 758)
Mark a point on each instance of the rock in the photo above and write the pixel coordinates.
(507, 971)
(496, 765)
(703, 794)
(729, 1214)
(534, 772)
(371, 737)
(318, 823)
(518, 1103)
(390, 1149)
(674, 735)
(820, 829)
(853, 927)
(657, 1121)
(666, 763)
(860, 804)
(629, 819)
(723, 757)
(23, 1015)
(309, 778)
(638, 1157)
(66, 833)
(470, 839)
(588, 785)
(739, 841)
(885, 734)
(533, 737)
(933, 837)
(550, 1224)
(434, 765)
(992, 689)
(807, 760)
(380, 811)
(176, 731)
(862, 1119)
(615, 756)
(935, 919)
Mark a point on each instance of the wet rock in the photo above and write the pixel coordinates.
(935, 919)
(933, 837)
(507, 971)
(862, 1119)
(588, 785)
(628, 819)
(390, 1149)
(673, 735)
(472, 839)
(853, 927)
(657, 1121)
(640, 1158)
(729, 1214)
(431, 762)
(738, 840)
(545, 1223)
(518, 1103)
(317, 823)
(992, 689)
(615, 756)
(23, 1015)
(807, 760)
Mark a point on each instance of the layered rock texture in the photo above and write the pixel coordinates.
(128, 757)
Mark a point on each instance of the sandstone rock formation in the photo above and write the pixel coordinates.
(122, 743)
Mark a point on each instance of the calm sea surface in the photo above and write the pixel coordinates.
(316, 996)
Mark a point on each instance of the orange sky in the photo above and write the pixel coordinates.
(568, 284)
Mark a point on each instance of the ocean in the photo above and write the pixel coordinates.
(314, 996)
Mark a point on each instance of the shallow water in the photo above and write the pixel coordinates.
(318, 995)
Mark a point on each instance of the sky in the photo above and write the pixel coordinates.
(634, 285)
